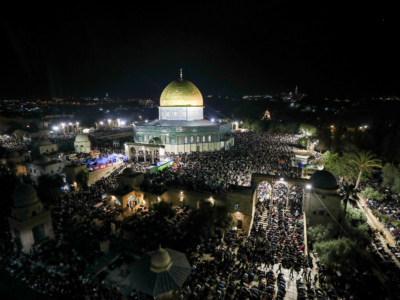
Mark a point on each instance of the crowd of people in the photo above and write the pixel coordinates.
(218, 171)
(257, 267)
(57, 268)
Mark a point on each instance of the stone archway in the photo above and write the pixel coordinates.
(264, 191)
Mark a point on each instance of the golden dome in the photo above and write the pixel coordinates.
(181, 92)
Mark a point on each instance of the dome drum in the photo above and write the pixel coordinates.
(323, 180)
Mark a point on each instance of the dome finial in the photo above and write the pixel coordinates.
(181, 73)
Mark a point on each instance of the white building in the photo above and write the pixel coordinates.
(43, 165)
(82, 144)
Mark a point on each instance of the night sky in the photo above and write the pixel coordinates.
(328, 49)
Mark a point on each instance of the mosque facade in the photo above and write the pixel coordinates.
(181, 126)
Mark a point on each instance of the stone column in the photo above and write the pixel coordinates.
(144, 154)
(152, 156)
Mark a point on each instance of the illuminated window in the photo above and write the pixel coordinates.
(236, 206)
(191, 139)
(162, 140)
(198, 139)
(186, 140)
(175, 114)
(149, 137)
(204, 138)
(193, 114)
(167, 140)
(184, 113)
(145, 138)
(168, 114)
(209, 138)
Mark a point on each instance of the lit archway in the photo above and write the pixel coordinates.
(264, 191)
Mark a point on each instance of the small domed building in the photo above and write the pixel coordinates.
(116, 143)
(82, 144)
(181, 126)
(45, 146)
(42, 165)
(30, 223)
(324, 196)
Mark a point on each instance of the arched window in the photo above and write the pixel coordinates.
(175, 114)
(167, 140)
(191, 139)
(168, 114)
(198, 139)
(186, 139)
(162, 140)
(209, 138)
(184, 114)
(204, 138)
(145, 138)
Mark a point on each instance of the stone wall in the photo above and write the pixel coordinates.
(316, 206)
(386, 234)
(25, 229)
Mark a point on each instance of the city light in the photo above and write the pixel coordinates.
(55, 127)
(308, 186)
(282, 179)
(365, 126)
(122, 122)
(101, 123)
(109, 121)
(146, 121)
(212, 120)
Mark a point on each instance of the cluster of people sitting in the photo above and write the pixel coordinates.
(217, 171)
(57, 267)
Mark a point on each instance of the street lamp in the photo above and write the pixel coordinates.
(282, 179)
(308, 186)
(212, 120)
(101, 123)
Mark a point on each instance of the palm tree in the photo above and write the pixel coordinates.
(364, 161)
(347, 196)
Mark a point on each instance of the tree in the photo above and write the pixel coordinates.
(347, 196)
(208, 218)
(364, 161)
(82, 178)
(302, 142)
(164, 210)
(370, 193)
(308, 129)
(336, 254)
(318, 234)
(391, 177)
(49, 187)
(338, 165)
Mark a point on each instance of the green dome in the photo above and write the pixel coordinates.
(181, 92)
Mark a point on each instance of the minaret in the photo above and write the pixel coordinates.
(296, 90)
(181, 74)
